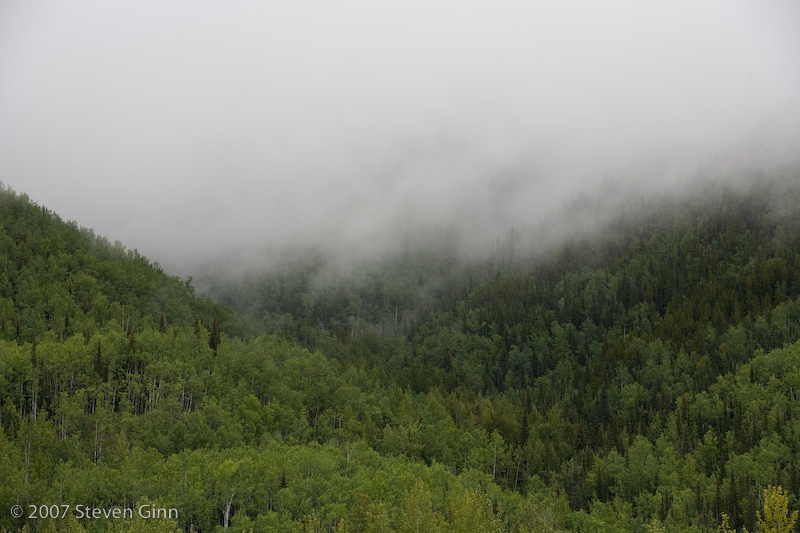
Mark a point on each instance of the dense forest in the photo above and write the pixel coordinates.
(642, 376)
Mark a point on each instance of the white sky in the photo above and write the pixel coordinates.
(190, 127)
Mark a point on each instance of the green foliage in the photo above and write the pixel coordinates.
(776, 512)
(643, 379)
(57, 278)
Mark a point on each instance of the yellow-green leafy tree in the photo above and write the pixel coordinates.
(776, 516)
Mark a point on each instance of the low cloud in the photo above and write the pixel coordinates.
(198, 132)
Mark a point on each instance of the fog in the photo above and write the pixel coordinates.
(200, 132)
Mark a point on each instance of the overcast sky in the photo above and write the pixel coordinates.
(190, 128)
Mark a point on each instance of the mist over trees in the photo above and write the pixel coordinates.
(219, 132)
(431, 266)
(640, 376)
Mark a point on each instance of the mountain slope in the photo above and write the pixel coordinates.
(576, 355)
(58, 278)
(640, 377)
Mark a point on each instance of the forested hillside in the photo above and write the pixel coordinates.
(641, 377)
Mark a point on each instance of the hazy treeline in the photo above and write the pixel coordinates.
(640, 378)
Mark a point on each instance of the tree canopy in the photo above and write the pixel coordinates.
(643, 377)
